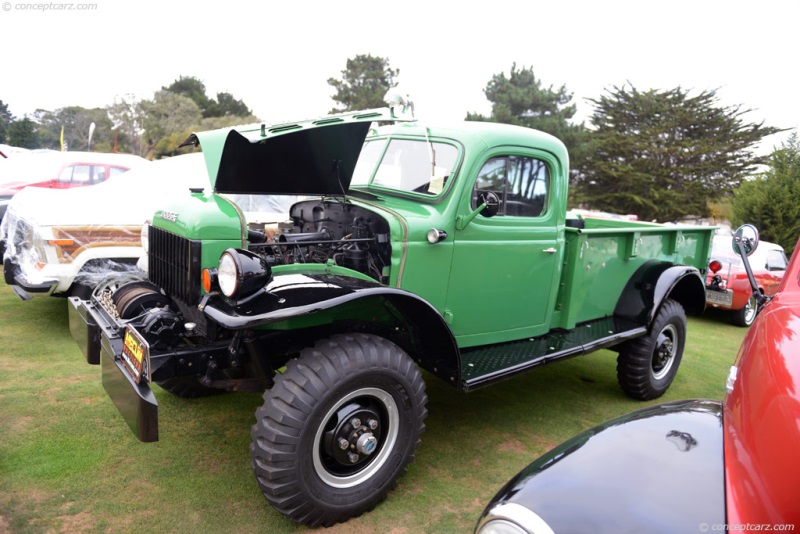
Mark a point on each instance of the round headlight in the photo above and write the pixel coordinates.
(501, 526)
(146, 236)
(512, 518)
(242, 273)
(227, 274)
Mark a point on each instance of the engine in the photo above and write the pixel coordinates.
(319, 231)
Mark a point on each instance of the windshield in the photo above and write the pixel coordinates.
(406, 165)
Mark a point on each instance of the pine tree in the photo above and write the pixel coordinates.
(772, 200)
(665, 155)
(364, 83)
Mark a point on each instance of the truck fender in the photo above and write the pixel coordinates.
(654, 282)
(430, 342)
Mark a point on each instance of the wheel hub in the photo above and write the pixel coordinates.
(663, 353)
(355, 436)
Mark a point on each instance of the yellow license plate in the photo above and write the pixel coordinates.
(135, 354)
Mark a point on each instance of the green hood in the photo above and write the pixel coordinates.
(314, 157)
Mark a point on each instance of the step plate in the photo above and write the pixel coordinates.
(483, 365)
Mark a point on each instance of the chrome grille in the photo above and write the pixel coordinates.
(174, 264)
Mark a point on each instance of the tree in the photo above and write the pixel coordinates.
(192, 88)
(127, 115)
(364, 84)
(521, 99)
(228, 106)
(168, 146)
(6, 118)
(22, 133)
(168, 113)
(771, 201)
(76, 122)
(225, 104)
(665, 155)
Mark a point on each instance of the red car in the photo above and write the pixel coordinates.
(48, 168)
(684, 466)
(727, 286)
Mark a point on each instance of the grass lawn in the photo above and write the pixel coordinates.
(69, 463)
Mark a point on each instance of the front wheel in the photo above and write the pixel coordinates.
(647, 365)
(338, 429)
(747, 314)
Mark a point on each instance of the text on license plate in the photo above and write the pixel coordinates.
(135, 353)
(720, 298)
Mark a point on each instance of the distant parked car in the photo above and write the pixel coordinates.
(685, 466)
(59, 170)
(67, 242)
(727, 286)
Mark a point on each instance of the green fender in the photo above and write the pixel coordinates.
(656, 281)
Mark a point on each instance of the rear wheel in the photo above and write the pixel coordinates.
(338, 429)
(647, 365)
(747, 314)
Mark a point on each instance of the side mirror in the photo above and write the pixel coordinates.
(745, 240)
(492, 202)
(488, 206)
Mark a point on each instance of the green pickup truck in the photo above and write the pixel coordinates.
(448, 250)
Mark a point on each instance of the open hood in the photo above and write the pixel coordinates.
(315, 157)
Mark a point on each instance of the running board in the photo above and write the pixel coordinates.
(481, 366)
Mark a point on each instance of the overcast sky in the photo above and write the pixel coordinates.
(277, 56)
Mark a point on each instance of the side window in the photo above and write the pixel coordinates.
(98, 174)
(76, 174)
(82, 174)
(115, 171)
(521, 183)
(66, 175)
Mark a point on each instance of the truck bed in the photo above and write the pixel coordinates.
(602, 256)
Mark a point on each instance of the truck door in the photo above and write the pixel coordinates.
(503, 279)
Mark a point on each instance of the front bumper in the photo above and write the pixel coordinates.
(100, 338)
(22, 285)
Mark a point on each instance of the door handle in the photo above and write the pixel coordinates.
(550, 250)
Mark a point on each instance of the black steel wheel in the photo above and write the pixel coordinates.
(747, 314)
(647, 365)
(338, 429)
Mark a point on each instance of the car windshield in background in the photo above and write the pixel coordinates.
(405, 165)
(279, 205)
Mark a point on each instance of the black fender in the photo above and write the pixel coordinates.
(328, 298)
(660, 469)
(656, 281)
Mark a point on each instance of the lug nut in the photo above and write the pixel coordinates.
(372, 424)
(356, 422)
(353, 457)
(343, 443)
